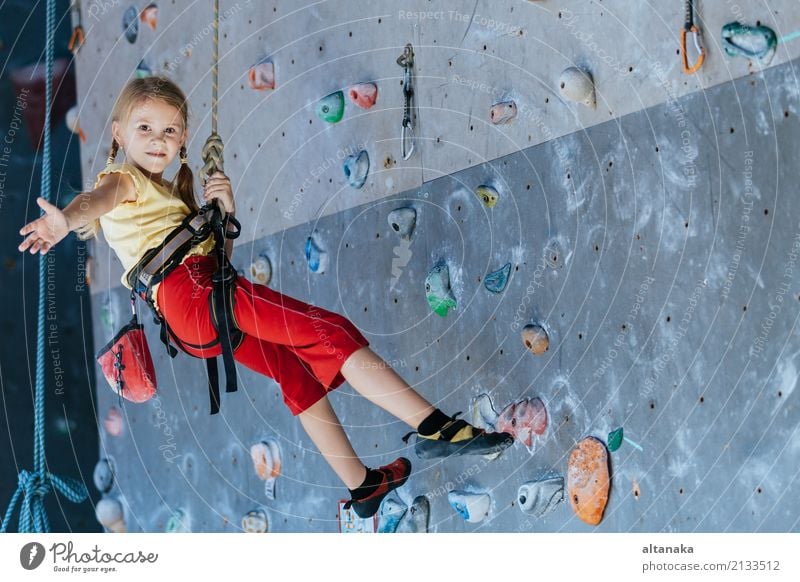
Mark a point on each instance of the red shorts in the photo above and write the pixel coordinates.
(300, 346)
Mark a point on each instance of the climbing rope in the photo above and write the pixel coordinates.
(32, 486)
(689, 27)
(213, 148)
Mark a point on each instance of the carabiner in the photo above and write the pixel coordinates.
(698, 46)
(689, 26)
(406, 60)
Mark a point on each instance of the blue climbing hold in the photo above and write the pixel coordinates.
(356, 167)
(316, 257)
(103, 476)
(497, 280)
(130, 24)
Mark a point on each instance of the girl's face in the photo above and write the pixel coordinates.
(152, 135)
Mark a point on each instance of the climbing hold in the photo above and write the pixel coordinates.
(437, 289)
(578, 86)
(143, 70)
(541, 496)
(331, 107)
(356, 167)
(523, 419)
(130, 24)
(255, 521)
(363, 94)
(488, 195)
(73, 124)
(149, 15)
(262, 76)
(758, 42)
(178, 522)
(403, 221)
(483, 413)
(588, 480)
(109, 513)
(416, 518)
(390, 514)
(103, 476)
(473, 507)
(317, 258)
(496, 281)
(503, 112)
(261, 270)
(113, 422)
(615, 439)
(266, 457)
(535, 339)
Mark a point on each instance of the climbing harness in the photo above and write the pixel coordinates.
(689, 27)
(406, 60)
(32, 486)
(77, 38)
(759, 42)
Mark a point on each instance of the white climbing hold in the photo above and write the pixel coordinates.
(578, 86)
(73, 124)
(261, 270)
(473, 507)
(540, 497)
(390, 514)
(255, 521)
(110, 514)
(417, 517)
(403, 221)
(483, 413)
(266, 457)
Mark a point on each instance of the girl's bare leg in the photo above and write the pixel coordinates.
(378, 382)
(322, 425)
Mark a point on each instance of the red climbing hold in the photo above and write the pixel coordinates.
(588, 480)
(523, 419)
(363, 94)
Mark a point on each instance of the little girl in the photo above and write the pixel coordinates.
(309, 351)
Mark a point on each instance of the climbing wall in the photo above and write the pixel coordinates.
(652, 239)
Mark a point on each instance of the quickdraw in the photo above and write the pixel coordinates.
(406, 60)
(77, 39)
(689, 27)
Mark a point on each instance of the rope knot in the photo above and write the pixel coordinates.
(212, 156)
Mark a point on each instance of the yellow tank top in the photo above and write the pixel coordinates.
(131, 228)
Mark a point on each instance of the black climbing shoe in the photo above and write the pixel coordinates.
(395, 475)
(458, 437)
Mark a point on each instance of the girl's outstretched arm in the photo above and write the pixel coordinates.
(45, 232)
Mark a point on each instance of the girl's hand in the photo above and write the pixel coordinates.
(218, 186)
(46, 231)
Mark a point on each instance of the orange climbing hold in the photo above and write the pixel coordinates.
(150, 15)
(363, 94)
(588, 480)
(262, 76)
(535, 339)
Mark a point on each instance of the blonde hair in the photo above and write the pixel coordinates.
(134, 93)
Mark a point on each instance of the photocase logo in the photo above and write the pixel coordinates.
(31, 555)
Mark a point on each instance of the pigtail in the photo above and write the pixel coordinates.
(90, 230)
(184, 183)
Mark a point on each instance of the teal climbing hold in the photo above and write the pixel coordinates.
(178, 522)
(615, 439)
(758, 42)
(143, 71)
(331, 107)
(356, 168)
(316, 257)
(130, 24)
(496, 281)
(437, 289)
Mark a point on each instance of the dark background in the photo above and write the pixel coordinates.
(71, 424)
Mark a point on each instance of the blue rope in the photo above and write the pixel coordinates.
(32, 487)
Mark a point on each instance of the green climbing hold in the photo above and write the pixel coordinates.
(497, 280)
(437, 289)
(741, 40)
(488, 195)
(331, 107)
(614, 439)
